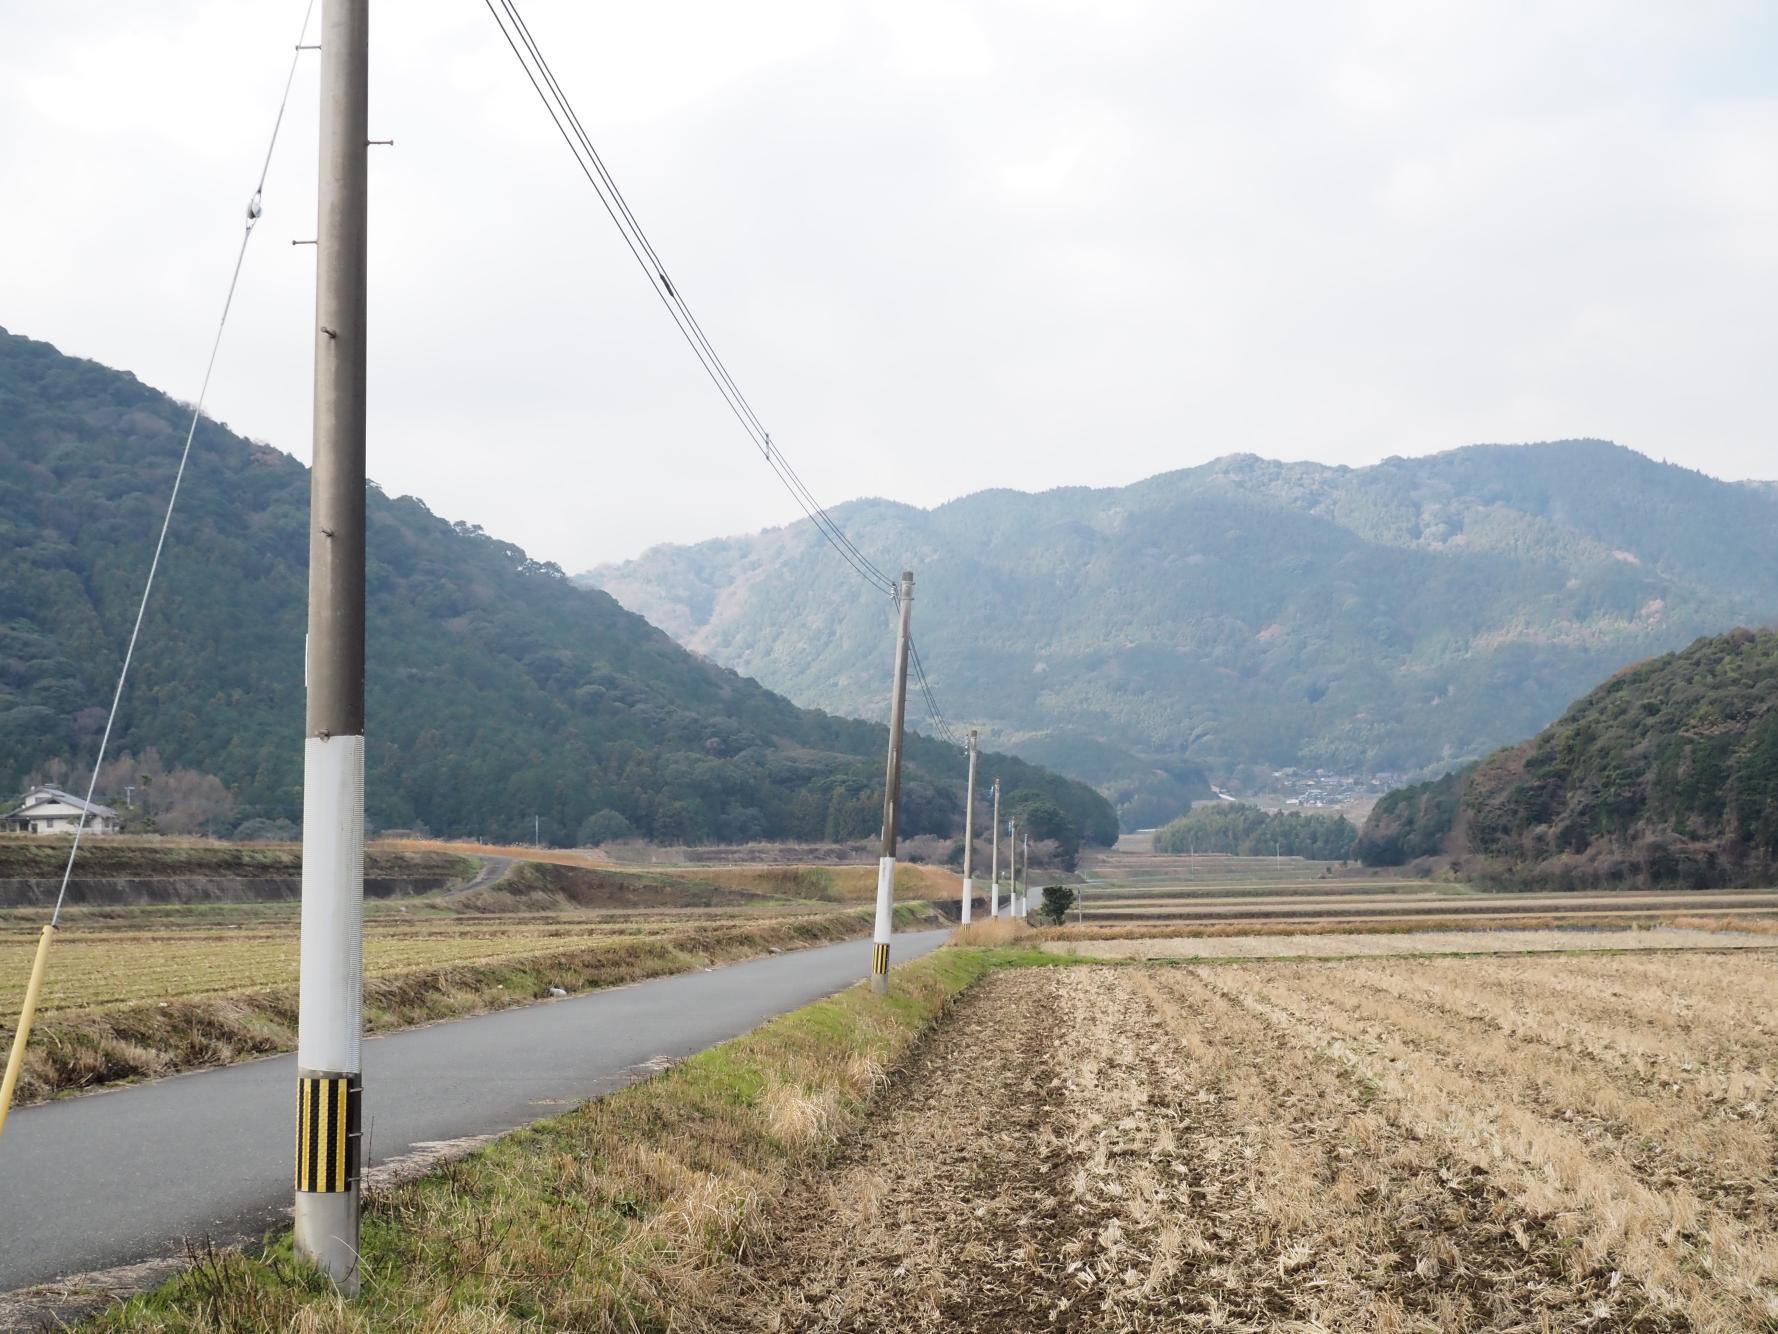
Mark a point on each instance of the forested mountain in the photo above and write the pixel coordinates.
(1667, 773)
(498, 690)
(1399, 618)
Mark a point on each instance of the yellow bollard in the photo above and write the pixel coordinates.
(17, 1059)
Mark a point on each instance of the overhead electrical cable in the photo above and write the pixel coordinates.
(940, 723)
(542, 78)
(672, 293)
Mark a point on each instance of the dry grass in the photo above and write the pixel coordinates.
(1442, 1144)
(523, 852)
(1147, 894)
(1762, 921)
(991, 932)
(830, 884)
(113, 969)
(1323, 945)
(33, 856)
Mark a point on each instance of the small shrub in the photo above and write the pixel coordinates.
(1057, 900)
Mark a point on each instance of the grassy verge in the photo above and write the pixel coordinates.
(609, 1218)
(81, 1050)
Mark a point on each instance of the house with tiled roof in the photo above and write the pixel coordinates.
(49, 810)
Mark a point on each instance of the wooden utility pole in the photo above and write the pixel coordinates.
(329, 1080)
(879, 955)
(969, 837)
(994, 843)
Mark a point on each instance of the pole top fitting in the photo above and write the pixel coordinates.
(907, 576)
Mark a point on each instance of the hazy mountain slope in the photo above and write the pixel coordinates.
(1392, 618)
(1667, 772)
(497, 689)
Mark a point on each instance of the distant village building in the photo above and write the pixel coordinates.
(49, 810)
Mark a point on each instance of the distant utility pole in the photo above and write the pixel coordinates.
(994, 843)
(1025, 893)
(329, 1080)
(537, 831)
(969, 837)
(879, 955)
(1012, 868)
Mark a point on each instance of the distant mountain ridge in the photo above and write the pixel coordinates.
(1665, 774)
(1402, 617)
(498, 692)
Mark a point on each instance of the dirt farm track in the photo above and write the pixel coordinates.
(1556, 1143)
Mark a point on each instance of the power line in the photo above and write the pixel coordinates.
(538, 72)
(941, 723)
(542, 78)
(657, 272)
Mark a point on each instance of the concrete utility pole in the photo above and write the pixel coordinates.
(1012, 868)
(879, 955)
(994, 842)
(1025, 893)
(1013, 859)
(969, 837)
(329, 1081)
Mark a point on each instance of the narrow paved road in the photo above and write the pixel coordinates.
(493, 871)
(112, 1178)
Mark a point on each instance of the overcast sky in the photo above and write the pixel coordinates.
(943, 246)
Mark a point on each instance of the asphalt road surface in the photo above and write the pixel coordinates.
(116, 1177)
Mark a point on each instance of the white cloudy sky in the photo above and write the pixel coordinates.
(944, 246)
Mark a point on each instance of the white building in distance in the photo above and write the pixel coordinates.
(49, 810)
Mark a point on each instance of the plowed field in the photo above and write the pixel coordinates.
(1503, 1144)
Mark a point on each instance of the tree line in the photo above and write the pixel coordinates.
(1242, 830)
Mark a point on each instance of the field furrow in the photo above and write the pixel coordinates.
(1698, 1261)
(1665, 1131)
(1216, 1148)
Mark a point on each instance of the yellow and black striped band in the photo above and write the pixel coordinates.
(327, 1111)
(879, 959)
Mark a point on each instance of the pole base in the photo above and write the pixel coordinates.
(879, 984)
(327, 1235)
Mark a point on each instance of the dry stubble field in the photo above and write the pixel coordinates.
(1532, 1144)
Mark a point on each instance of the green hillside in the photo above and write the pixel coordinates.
(1250, 614)
(1666, 774)
(498, 690)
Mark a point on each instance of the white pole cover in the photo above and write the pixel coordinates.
(332, 904)
(885, 900)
